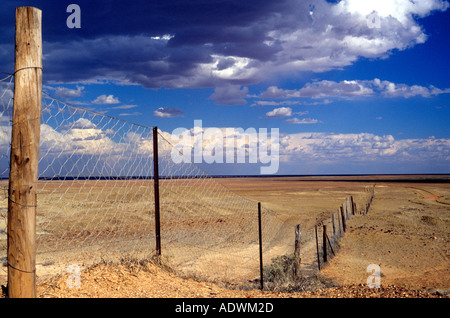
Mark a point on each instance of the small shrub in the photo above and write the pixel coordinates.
(281, 270)
(279, 276)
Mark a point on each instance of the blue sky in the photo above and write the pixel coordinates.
(353, 86)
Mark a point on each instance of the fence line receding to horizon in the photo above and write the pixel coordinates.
(96, 202)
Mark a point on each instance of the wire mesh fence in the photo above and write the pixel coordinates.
(96, 203)
(94, 190)
(6, 94)
(96, 200)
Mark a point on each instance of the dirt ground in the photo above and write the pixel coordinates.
(152, 281)
(406, 233)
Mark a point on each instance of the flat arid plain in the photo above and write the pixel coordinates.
(406, 233)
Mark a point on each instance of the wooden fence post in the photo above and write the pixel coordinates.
(317, 248)
(346, 209)
(297, 252)
(332, 223)
(156, 191)
(344, 206)
(324, 236)
(22, 197)
(339, 222)
(352, 205)
(343, 218)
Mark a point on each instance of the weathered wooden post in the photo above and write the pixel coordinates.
(352, 205)
(347, 216)
(21, 244)
(317, 247)
(297, 252)
(332, 223)
(339, 222)
(343, 218)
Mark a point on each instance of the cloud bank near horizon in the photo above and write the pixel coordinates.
(84, 138)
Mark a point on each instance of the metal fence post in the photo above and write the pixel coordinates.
(260, 247)
(156, 191)
(324, 243)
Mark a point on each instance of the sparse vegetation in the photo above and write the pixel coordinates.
(279, 276)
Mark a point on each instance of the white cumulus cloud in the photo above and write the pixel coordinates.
(106, 99)
(280, 112)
